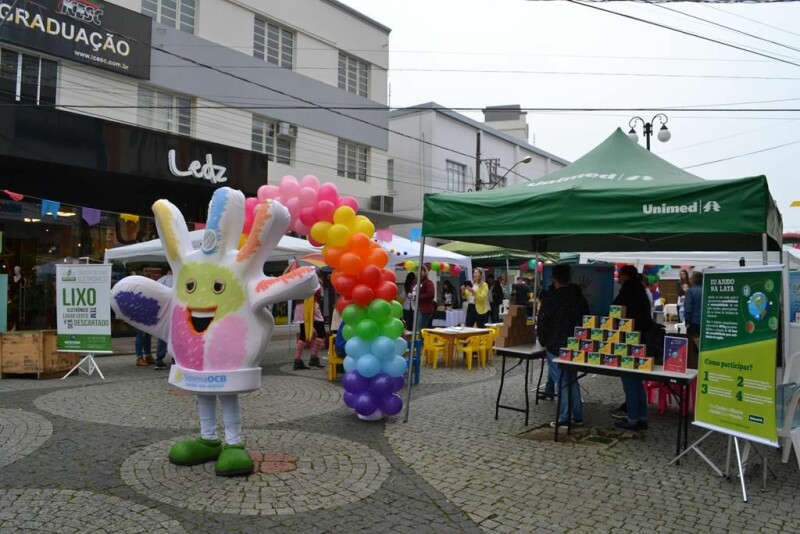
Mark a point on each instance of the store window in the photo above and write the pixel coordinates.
(273, 43)
(456, 176)
(351, 161)
(164, 111)
(353, 75)
(273, 138)
(27, 79)
(179, 14)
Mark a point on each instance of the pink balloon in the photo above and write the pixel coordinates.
(268, 191)
(289, 187)
(250, 204)
(456, 270)
(307, 196)
(314, 242)
(308, 216)
(301, 228)
(309, 180)
(325, 209)
(328, 191)
(348, 201)
(293, 205)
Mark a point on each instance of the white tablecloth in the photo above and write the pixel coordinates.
(454, 318)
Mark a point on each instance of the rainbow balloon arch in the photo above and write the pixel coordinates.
(374, 363)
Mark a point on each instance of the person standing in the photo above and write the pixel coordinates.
(317, 340)
(161, 345)
(449, 296)
(680, 290)
(520, 291)
(409, 299)
(477, 296)
(497, 297)
(561, 311)
(144, 342)
(692, 312)
(426, 300)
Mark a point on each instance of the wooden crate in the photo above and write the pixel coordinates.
(34, 352)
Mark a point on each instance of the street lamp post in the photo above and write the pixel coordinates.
(525, 160)
(664, 134)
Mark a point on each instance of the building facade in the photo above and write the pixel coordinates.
(109, 107)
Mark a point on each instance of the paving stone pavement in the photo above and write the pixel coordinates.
(87, 455)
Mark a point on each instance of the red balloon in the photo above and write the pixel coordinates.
(344, 283)
(342, 303)
(386, 291)
(308, 216)
(371, 276)
(363, 295)
(388, 276)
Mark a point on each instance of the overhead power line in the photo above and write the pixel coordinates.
(741, 155)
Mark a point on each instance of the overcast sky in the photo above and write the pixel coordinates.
(473, 53)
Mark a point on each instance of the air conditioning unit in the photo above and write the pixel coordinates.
(286, 129)
(381, 203)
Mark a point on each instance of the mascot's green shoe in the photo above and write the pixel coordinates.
(195, 451)
(234, 461)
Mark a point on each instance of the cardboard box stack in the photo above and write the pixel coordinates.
(515, 330)
(609, 340)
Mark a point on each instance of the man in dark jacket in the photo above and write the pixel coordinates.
(496, 289)
(561, 311)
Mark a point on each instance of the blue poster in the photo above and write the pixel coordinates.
(794, 296)
(596, 282)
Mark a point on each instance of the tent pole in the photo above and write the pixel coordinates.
(414, 331)
(764, 247)
(508, 280)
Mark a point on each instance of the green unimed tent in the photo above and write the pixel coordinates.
(617, 197)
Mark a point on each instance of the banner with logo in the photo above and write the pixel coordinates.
(738, 345)
(99, 34)
(83, 309)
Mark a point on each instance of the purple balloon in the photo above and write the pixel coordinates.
(381, 385)
(365, 404)
(398, 383)
(349, 399)
(353, 382)
(391, 405)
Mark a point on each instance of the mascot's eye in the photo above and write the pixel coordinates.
(219, 286)
(191, 285)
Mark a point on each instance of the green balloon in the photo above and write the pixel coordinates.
(393, 328)
(397, 309)
(379, 310)
(348, 331)
(367, 329)
(435, 265)
(354, 314)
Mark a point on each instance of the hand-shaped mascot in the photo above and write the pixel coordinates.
(214, 318)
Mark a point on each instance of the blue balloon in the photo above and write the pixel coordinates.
(400, 346)
(395, 367)
(383, 347)
(391, 405)
(381, 385)
(354, 382)
(398, 383)
(349, 399)
(356, 347)
(349, 363)
(368, 366)
(365, 404)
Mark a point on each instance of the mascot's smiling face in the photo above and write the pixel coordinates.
(209, 292)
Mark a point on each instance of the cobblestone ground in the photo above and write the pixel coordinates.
(89, 455)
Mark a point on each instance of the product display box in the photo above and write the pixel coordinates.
(608, 323)
(610, 360)
(594, 358)
(565, 354)
(598, 334)
(605, 347)
(644, 364)
(590, 321)
(633, 338)
(626, 362)
(588, 345)
(573, 343)
(582, 332)
(638, 351)
(579, 356)
(616, 311)
(614, 336)
(625, 325)
(621, 349)
(676, 354)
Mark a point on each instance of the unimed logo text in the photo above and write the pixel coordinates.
(692, 207)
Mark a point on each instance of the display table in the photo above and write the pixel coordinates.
(451, 334)
(524, 353)
(454, 318)
(657, 375)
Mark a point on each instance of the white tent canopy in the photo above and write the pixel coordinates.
(153, 251)
(699, 260)
(401, 249)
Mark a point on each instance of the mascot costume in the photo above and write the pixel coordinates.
(215, 318)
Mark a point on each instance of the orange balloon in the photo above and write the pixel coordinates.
(377, 257)
(359, 243)
(351, 263)
(332, 255)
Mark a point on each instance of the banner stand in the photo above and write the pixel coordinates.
(91, 367)
(694, 447)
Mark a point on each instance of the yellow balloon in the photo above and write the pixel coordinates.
(445, 267)
(409, 265)
(242, 240)
(344, 215)
(338, 235)
(364, 226)
(319, 232)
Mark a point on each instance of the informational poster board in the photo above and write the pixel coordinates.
(83, 310)
(794, 296)
(738, 343)
(596, 282)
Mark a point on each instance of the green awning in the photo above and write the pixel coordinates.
(618, 196)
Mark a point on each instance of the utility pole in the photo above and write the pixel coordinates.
(478, 164)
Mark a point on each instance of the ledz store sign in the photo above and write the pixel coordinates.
(95, 33)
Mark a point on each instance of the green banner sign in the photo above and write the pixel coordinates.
(82, 308)
(738, 344)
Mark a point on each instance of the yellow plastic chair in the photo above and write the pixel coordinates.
(432, 345)
(470, 347)
(487, 347)
(333, 359)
